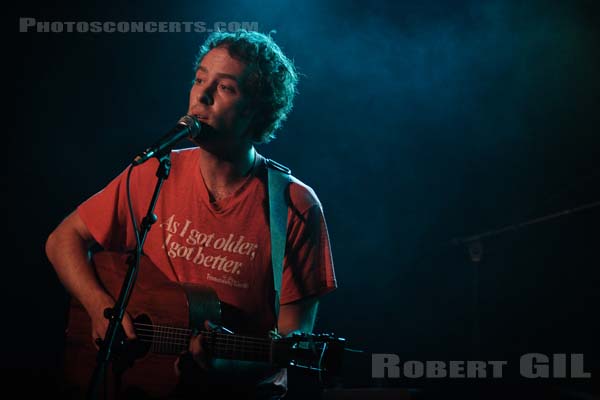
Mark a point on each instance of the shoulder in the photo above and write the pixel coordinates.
(302, 197)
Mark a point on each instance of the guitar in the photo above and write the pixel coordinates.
(165, 314)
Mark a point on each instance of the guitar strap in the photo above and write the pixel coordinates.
(279, 177)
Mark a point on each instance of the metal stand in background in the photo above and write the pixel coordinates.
(115, 315)
(474, 246)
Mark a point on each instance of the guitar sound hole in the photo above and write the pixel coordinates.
(145, 333)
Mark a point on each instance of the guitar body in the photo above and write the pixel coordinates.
(155, 303)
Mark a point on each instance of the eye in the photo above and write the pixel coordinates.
(197, 81)
(227, 88)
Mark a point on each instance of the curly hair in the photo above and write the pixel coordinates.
(271, 80)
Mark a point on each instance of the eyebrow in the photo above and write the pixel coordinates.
(220, 74)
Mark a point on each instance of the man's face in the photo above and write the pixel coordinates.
(216, 97)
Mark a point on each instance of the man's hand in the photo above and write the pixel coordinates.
(100, 322)
(195, 353)
(196, 362)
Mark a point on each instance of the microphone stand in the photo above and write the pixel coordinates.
(115, 314)
(474, 245)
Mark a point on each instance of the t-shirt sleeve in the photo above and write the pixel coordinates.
(106, 215)
(308, 265)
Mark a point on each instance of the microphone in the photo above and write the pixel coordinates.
(187, 126)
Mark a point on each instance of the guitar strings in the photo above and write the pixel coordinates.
(228, 343)
(169, 336)
(220, 353)
(164, 338)
(162, 326)
(222, 346)
(187, 332)
(178, 338)
(216, 348)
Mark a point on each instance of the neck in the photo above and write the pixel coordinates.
(224, 173)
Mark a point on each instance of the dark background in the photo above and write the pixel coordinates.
(417, 123)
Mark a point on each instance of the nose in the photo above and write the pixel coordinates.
(205, 98)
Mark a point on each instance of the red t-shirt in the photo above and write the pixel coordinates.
(224, 245)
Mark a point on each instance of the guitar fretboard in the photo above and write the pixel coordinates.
(172, 340)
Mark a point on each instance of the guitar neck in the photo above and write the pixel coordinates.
(171, 340)
(238, 347)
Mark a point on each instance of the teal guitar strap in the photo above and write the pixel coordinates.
(279, 177)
